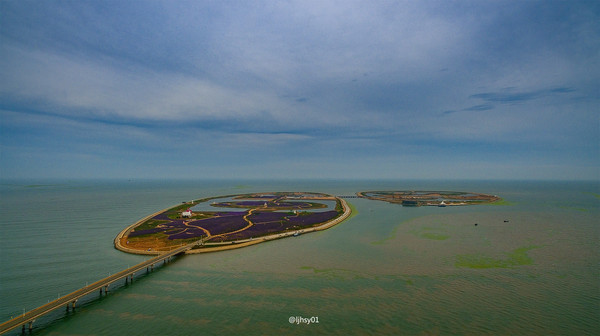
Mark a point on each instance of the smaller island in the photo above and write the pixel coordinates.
(232, 221)
(429, 198)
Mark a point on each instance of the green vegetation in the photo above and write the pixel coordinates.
(515, 258)
(338, 206)
(196, 215)
(151, 224)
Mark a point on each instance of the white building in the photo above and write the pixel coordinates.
(187, 213)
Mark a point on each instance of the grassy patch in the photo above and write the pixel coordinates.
(518, 257)
(151, 224)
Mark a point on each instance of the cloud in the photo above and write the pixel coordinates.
(72, 86)
(508, 96)
(364, 79)
(481, 107)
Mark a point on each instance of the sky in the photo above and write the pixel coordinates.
(300, 89)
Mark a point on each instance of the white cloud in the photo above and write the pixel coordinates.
(233, 78)
(70, 84)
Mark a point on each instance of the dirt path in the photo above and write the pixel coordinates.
(242, 229)
(208, 234)
(247, 242)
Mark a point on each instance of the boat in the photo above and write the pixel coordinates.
(443, 204)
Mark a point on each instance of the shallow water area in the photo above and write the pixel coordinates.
(213, 204)
(387, 270)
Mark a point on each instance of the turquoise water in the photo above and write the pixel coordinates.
(387, 270)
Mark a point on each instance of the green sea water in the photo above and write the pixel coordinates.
(529, 266)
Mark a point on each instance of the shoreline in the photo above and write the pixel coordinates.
(228, 245)
(119, 237)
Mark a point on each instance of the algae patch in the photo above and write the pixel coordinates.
(593, 194)
(391, 236)
(434, 236)
(518, 257)
(353, 210)
(433, 233)
(502, 201)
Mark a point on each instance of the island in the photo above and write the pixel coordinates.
(429, 198)
(232, 221)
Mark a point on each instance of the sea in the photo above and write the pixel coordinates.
(528, 265)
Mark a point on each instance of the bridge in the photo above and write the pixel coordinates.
(70, 300)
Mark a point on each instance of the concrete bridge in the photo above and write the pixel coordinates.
(69, 300)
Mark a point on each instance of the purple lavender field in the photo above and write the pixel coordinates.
(224, 224)
(173, 225)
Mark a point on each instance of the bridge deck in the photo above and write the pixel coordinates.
(31, 315)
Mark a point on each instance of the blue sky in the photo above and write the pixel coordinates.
(300, 89)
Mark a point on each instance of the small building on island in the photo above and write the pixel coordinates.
(187, 214)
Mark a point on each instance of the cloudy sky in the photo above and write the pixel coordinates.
(310, 89)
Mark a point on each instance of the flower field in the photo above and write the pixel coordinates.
(264, 214)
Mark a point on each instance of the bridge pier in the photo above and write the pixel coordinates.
(72, 303)
(29, 327)
(105, 290)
